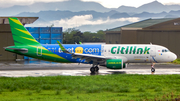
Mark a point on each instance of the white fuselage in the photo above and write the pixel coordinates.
(144, 53)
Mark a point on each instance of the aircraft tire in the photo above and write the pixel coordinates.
(152, 69)
(96, 68)
(92, 69)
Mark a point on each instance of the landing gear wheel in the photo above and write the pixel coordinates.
(96, 68)
(92, 69)
(153, 70)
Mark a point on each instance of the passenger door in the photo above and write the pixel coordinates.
(39, 51)
(153, 51)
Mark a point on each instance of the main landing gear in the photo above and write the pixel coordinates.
(94, 69)
(152, 67)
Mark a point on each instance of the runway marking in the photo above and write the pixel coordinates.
(36, 73)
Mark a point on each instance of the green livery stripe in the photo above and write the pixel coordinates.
(37, 46)
(16, 21)
(52, 55)
(25, 32)
(29, 39)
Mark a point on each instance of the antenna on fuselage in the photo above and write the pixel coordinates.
(150, 43)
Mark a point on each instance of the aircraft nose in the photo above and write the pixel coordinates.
(173, 56)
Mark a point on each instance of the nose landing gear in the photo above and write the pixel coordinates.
(152, 67)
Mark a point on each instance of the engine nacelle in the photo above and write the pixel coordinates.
(115, 64)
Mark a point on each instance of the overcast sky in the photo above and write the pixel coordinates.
(106, 3)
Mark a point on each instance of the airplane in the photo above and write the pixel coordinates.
(112, 56)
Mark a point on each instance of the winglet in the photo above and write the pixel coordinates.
(80, 42)
(62, 48)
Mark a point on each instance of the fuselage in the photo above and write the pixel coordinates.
(130, 53)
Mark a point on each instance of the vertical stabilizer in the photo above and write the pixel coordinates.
(20, 34)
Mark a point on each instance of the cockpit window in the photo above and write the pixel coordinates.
(165, 50)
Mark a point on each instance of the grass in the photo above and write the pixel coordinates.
(177, 61)
(108, 87)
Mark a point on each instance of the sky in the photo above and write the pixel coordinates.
(106, 3)
(82, 20)
(134, 3)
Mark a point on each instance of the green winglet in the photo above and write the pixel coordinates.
(80, 42)
(62, 48)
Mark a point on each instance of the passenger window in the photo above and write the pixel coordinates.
(163, 50)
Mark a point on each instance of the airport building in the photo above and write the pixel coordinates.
(44, 35)
(165, 32)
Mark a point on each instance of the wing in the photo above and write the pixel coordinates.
(88, 57)
(96, 58)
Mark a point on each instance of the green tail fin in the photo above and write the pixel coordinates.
(20, 34)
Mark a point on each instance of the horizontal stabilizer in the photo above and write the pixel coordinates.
(23, 50)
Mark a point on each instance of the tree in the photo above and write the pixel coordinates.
(73, 35)
(101, 35)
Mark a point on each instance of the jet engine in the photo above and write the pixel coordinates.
(115, 64)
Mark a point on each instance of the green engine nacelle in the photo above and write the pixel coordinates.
(115, 64)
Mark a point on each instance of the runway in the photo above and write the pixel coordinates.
(24, 69)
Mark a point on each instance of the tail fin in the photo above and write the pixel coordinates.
(20, 34)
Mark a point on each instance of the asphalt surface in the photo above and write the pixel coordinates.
(41, 68)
